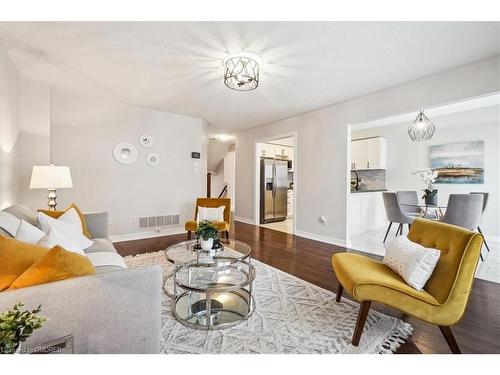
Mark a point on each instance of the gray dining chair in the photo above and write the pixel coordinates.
(485, 202)
(408, 201)
(395, 214)
(464, 210)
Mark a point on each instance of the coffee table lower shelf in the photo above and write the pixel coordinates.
(216, 310)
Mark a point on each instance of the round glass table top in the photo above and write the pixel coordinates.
(217, 275)
(184, 252)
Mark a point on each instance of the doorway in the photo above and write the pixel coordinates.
(275, 183)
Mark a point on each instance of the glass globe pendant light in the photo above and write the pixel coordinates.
(422, 129)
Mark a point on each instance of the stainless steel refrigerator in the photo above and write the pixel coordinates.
(273, 190)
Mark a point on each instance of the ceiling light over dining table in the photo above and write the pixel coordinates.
(422, 129)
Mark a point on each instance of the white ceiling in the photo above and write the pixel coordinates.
(176, 66)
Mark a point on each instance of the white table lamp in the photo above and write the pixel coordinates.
(50, 177)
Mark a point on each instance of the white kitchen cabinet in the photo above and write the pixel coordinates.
(377, 153)
(369, 153)
(270, 151)
(366, 212)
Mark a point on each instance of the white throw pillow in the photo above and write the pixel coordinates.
(28, 233)
(9, 223)
(210, 213)
(413, 262)
(69, 224)
(55, 237)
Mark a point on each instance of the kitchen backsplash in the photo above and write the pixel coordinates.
(371, 179)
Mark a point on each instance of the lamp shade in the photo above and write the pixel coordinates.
(50, 177)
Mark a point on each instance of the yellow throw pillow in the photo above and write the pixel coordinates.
(58, 264)
(57, 214)
(15, 258)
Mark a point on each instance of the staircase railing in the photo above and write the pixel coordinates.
(223, 191)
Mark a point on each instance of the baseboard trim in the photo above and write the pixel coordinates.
(146, 234)
(321, 238)
(244, 220)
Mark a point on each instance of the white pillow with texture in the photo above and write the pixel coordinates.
(55, 237)
(9, 223)
(69, 224)
(210, 213)
(28, 233)
(413, 262)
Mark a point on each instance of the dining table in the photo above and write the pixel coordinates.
(428, 211)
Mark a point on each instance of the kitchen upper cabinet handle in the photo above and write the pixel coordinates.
(368, 165)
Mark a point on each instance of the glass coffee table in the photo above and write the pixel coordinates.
(184, 252)
(216, 292)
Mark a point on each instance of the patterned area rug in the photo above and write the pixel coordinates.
(291, 316)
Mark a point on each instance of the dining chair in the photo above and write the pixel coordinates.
(395, 214)
(485, 202)
(408, 200)
(464, 210)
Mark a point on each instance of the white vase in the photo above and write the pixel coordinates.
(207, 244)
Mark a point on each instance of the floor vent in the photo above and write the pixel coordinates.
(158, 221)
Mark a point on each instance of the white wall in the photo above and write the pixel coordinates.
(9, 128)
(218, 180)
(84, 133)
(404, 155)
(322, 135)
(229, 175)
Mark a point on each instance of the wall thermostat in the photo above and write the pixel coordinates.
(195, 155)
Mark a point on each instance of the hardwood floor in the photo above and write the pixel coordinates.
(477, 332)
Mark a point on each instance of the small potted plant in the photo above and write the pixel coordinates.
(16, 326)
(429, 178)
(207, 232)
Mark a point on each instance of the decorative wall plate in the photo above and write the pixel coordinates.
(152, 159)
(125, 153)
(146, 140)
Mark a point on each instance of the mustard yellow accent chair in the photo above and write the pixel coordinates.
(445, 295)
(222, 226)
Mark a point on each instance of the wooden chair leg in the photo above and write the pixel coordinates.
(340, 289)
(450, 339)
(386, 233)
(409, 227)
(189, 234)
(360, 324)
(227, 234)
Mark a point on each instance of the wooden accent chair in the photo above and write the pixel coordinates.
(445, 295)
(222, 226)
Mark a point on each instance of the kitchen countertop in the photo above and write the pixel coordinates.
(367, 191)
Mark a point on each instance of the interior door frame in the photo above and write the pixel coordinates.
(256, 174)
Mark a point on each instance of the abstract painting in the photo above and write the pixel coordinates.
(458, 163)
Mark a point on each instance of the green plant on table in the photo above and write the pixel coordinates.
(207, 230)
(16, 326)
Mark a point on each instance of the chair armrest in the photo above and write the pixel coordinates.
(97, 224)
(112, 312)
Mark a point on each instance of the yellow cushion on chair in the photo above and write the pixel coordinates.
(193, 225)
(57, 264)
(57, 214)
